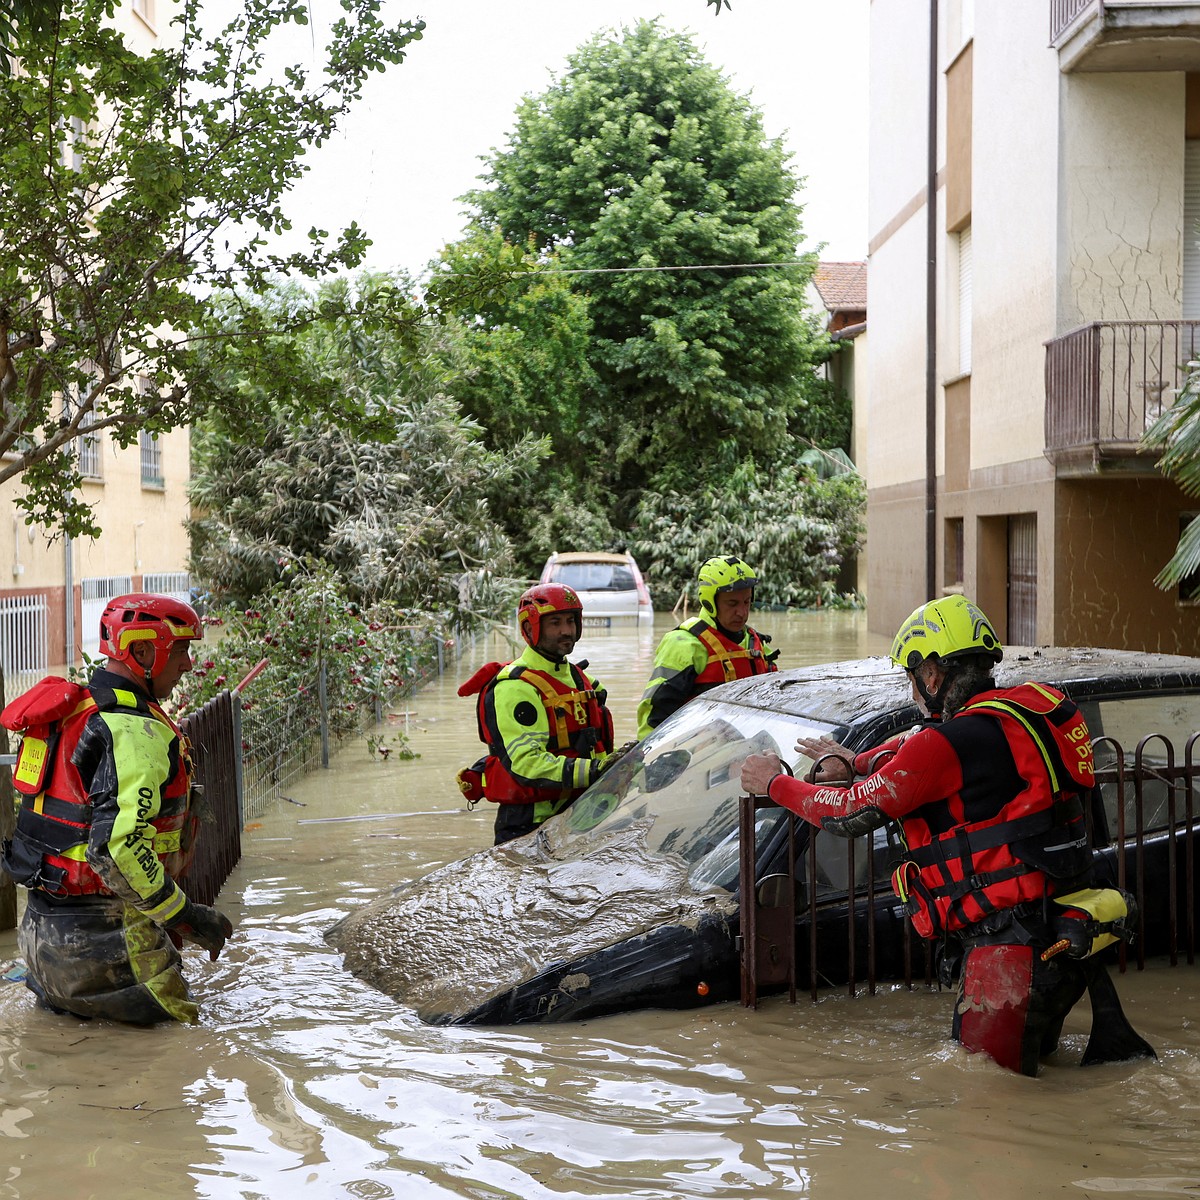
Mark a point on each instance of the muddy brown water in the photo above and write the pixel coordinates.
(301, 1079)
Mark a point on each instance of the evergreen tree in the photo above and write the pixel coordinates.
(642, 157)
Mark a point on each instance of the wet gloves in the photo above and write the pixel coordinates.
(203, 925)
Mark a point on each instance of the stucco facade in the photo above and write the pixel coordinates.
(1060, 166)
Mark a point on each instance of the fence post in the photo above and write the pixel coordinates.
(323, 711)
(239, 770)
(8, 889)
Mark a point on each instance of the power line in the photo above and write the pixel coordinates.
(540, 270)
(631, 270)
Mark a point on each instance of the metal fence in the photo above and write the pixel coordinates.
(1064, 14)
(24, 639)
(216, 758)
(284, 738)
(792, 937)
(94, 594)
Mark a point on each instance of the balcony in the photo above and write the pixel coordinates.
(1125, 35)
(1105, 385)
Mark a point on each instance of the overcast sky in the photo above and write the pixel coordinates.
(414, 144)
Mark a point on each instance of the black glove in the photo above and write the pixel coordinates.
(203, 925)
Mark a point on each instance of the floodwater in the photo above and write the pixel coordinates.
(301, 1079)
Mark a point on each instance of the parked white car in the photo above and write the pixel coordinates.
(609, 586)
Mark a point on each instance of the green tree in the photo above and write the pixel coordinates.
(134, 187)
(396, 505)
(636, 166)
(521, 367)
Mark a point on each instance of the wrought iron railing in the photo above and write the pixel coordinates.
(794, 935)
(1108, 382)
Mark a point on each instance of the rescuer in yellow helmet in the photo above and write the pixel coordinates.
(712, 648)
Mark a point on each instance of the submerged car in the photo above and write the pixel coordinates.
(610, 586)
(630, 898)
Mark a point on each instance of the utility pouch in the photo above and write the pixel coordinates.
(24, 864)
(1090, 920)
(34, 760)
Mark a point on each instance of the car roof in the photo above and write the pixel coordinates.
(570, 556)
(860, 690)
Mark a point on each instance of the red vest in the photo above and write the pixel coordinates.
(53, 822)
(1036, 843)
(727, 659)
(570, 710)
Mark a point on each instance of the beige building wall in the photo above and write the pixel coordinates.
(142, 520)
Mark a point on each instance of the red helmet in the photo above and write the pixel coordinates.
(541, 600)
(144, 617)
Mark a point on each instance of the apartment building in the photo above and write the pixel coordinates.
(53, 588)
(1060, 140)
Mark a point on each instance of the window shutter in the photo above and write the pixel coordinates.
(1191, 229)
(965, 284)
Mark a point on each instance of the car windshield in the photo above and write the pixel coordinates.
(683, 782)
(595, 576)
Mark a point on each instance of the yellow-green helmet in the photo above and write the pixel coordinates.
(722, 575)
(945, 628)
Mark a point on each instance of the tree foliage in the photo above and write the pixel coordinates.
(636, 166)
(317, 643)
(1177, 434)
(135, 185)
(521, 367)
(395, 504)
(796, 529)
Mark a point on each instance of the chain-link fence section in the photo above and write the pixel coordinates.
(284, 738)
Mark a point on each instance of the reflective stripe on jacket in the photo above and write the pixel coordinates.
(968, 866)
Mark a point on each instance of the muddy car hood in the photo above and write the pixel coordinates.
(475, 930)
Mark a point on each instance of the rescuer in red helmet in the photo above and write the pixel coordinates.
(547, 730)
(104, 826)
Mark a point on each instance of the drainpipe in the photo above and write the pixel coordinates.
(931, 314)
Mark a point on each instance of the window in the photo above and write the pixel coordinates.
(966, 272)
(1022, 579)
(952, 572)
(89, 452)
(1126, 720)
(152, 471)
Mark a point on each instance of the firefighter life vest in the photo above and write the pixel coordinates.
(580, 726)
(728, 659)
(48, 849)
(1036, 845)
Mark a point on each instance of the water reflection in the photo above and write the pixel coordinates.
(302, 1077)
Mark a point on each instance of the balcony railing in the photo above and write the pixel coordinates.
(1063, 13)
(1106, 384)
(1126, 35)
